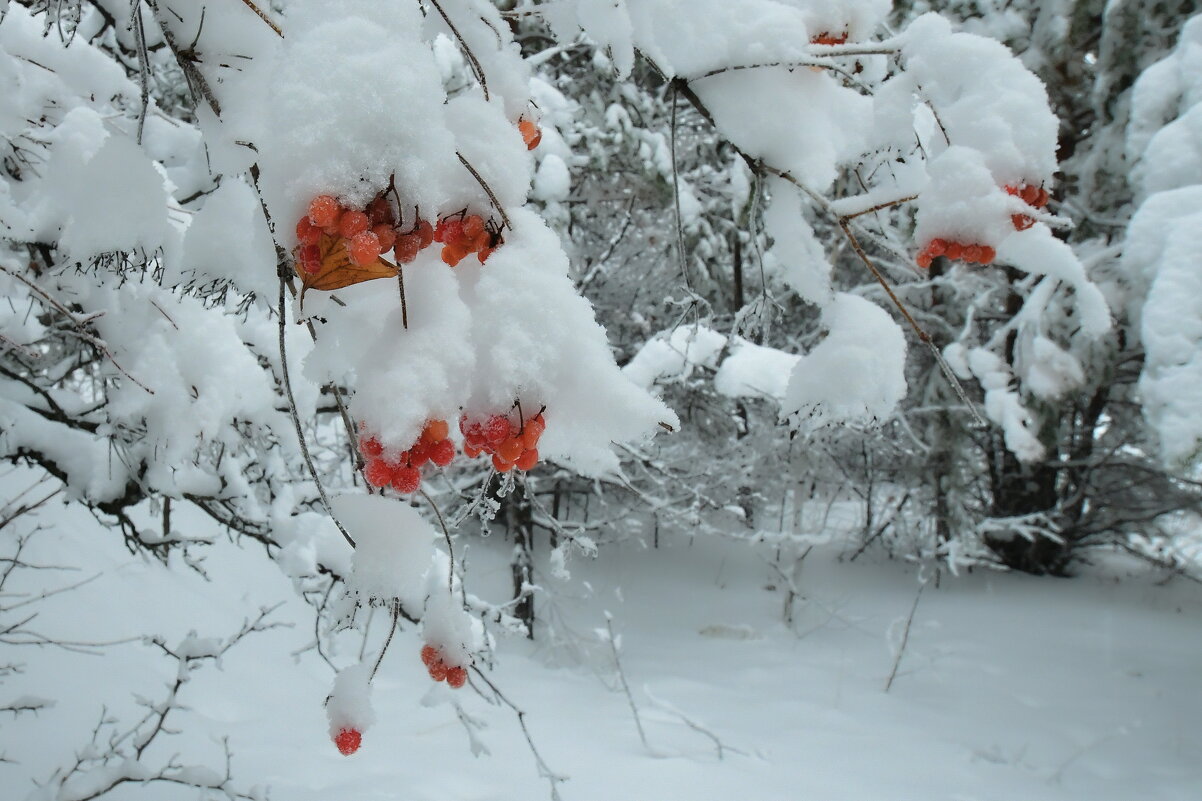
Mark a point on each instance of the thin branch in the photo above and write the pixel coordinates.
(901, 649)
(250, 4)
(487, 189)
(477, 70)
(300, 433)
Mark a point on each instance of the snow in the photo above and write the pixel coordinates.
(856, 374)
(394, 548)
(349, 704)
(1015, 686)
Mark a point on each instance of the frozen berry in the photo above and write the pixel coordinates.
(353, 222)
(324, 211)
(501, 465)
(527, 460)
(371, 447)
(407, 247)
(406, 480)
(306, 232)
(456, 677)
(379, 211)
(387, 236)
(378, 473)
(496, 429)
(429, 655)
(348, 740)
(510, 449)
(442, 453)
(435, 431)
(438, 670)
(364, 248)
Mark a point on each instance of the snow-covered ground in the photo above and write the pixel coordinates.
(1011, 687)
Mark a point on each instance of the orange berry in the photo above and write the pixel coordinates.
(324, 211)
(501, 465)
(470, 451)
(353, 222)
(438, 670)
(923, 260)
(527, 460)
(988, 254)
(531, 134)
(971, 253)
(453, 254)
(954, 250)
(510, 449)
(1029, 194)
(1021, 221)
(364, 247)
(1043, 198)
(429, 655)
(436, 430)
(937, 247)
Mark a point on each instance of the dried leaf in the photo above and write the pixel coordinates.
(334, 268)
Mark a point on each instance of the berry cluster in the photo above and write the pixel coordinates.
(956, 251)
(828, 38)
(531, 134)
(1034, 196)
(404, 472)
(367, 232)
(454, 675)
(510, 444)
(348, 740)
(461, 236)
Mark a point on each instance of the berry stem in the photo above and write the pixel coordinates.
(445, 533)
(487, 189)
(400, 280)
(396, 613)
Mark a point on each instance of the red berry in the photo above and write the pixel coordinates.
(1029, 194)
(438, 670)
(988, 254)
(310, 259)
(429, 655)
(448, 231)
(364, 247)
(371, 447)
(379, 211)
(1021, 221)
(387, 236)
(353, 222)
(378, 473)
(306, 232)
(324, 211)
(923, 260)
(471, 451)
(501, 465)
(496, 429)
(348, 741)
(970, 253)
(473, 226)
(456, 677)
(419, 454)
(1042, 199)
(937, 247)
(527, 460)
(406, 480)
(954, 250)
(407, 247)
(425, 233)
(442, 453)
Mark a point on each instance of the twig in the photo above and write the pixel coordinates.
(554, 779)
(300, 433)
(901, 649)
(143, 63)
(446, 534)
(264, 17)
(477, 70)
(396, 613)
(613, 647)
(487, 189)
(684, 267)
